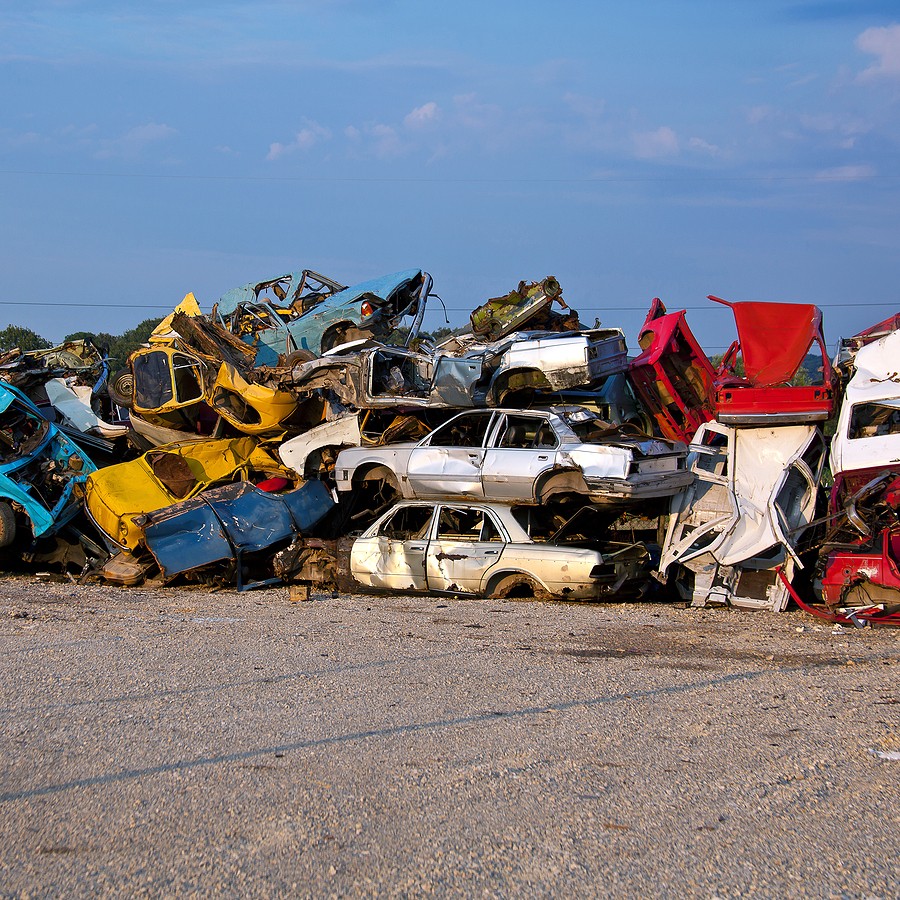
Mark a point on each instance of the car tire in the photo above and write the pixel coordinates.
(121, 388)
(295, 357)
(7, 524)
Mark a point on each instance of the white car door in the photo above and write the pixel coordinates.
(523, 447)
(467, 543)
(392, 554)
(449, 460)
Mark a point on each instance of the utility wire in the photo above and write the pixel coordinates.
(682, 177)
(672, 307)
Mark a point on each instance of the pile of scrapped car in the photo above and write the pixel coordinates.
(308, 432)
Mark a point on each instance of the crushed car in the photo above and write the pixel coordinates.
(232, 524)
(507, 372)
(523, 456)
(327, 317)
(486, 550)
(774, 340)
(117, 496)
(754, 496)
(860, 557)
(672, 376)
(40, 470)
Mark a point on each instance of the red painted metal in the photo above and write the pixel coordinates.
(672, 376)
(773, 340)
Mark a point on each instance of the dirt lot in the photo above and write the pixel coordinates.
(180, 742)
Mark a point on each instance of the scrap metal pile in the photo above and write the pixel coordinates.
(308, 432)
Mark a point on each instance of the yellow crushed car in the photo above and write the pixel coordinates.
(118, 494)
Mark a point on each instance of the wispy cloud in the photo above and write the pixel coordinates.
(846, 173)
(422, 115)
(133, 142)
(655, 144)
(310, 134)
(884, 44)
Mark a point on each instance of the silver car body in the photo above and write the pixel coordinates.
(372, 376)
(524, 456)
(753, 497)
(479, 548)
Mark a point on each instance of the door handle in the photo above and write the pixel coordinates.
(416, 548)
(543, 456)
(491, 552)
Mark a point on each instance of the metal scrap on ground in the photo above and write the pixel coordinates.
(308, 432)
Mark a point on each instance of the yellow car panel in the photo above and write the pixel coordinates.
(114, 496)
(251, 408)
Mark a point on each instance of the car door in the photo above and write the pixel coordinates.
(449, 460)
(522, 448)
(467, 543)
(393, 555)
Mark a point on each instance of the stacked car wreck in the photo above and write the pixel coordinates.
(307, 431)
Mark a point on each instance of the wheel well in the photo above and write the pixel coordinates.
(374, 471)
(560, 481)
(333, 334)
(511, 381)
(514, 585)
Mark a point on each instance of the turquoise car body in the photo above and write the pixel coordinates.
(39, 465)
(373, 307)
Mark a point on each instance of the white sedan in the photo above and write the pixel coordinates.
(522, 456)
(486, 549)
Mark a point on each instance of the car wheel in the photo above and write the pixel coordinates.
(7, 524)
(121, 388)
(295, 357)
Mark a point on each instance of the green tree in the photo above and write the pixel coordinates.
(119, 347)
(23, 338)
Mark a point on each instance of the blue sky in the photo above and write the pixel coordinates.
(747, 149)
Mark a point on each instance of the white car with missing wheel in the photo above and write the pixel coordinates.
(496, 551)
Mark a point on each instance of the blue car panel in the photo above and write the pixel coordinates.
(225, 522)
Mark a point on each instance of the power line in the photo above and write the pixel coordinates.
(682, 177)
(708, 308)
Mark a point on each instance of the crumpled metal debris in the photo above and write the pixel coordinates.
(251, 416)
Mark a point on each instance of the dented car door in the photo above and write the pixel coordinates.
(450, 461)
(467, 543)
(394, 556)
(521, 448)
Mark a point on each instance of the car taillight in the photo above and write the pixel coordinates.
(367, 309)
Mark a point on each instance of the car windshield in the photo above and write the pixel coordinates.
(588, 426)
(567, 524)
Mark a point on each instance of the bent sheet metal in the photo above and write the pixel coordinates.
(227, 522)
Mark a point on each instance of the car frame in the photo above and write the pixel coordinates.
(482, 549)
(40, 469)
(521, 456)
(370, 308)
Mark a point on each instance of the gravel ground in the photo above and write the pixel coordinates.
(181, 742)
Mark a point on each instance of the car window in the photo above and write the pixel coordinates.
(152, 381)
(521, 432)
(187, 379)
(467, 525)
(874, 420)
(408, 523)
(21, 432)
(463, 431)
